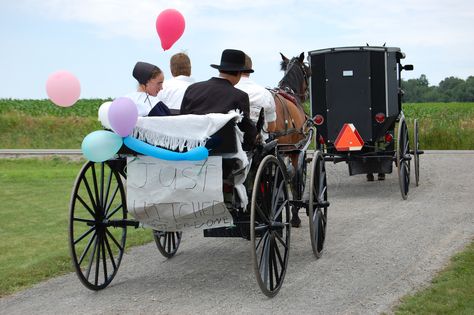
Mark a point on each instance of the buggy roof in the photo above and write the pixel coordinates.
(357, 48)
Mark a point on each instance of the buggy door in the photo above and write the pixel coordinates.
(348, 93)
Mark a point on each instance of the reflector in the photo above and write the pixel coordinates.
(380, 118)
(348, 139)
(318, 120)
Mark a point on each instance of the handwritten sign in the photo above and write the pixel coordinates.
(176, 195)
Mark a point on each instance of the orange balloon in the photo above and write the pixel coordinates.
(170, 26)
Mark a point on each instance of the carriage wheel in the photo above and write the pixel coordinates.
(416, 152)
(318, 197)
(403, 158)
(270, 226)
(167, 242)
(97, 200)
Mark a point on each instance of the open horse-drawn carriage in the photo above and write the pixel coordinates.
(101, 203)
(356, 100)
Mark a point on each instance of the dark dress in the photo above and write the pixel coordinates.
(218, 95)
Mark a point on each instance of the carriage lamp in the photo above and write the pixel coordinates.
(380, 118)
(388, 137)
(318, 120)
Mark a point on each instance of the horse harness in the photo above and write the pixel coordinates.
(290, 126)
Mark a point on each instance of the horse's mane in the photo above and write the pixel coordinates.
(283, 65)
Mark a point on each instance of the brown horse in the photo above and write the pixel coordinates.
(291, 122)
(289, 97)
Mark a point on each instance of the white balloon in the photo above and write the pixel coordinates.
(104, 115)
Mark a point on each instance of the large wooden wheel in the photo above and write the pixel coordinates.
(167, 242)
(403, 158)
(96, 235)
(270, 225)
(318, 204)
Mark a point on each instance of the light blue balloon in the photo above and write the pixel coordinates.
(196, 154)
(101, 145)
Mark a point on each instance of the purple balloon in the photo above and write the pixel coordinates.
(123, 115)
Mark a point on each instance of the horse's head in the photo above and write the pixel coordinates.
(296, 77)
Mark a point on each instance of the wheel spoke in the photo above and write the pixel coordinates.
(275, 191)
(174, 237)
(109, 183)
(84, 253)
(109, 251)
(114, 211)
(113, 239)
(264, 261)
(107, 208)
(321, 197)
(270, 263)
(260, 241)
(91, 258)
(96, 191)
(84, 235)
(261, 214)
(275, 200)
(104, 260)
(102, 169)
(278, 237)
(85, 205)
(89, 192)
(277, 251)
(280, 209)
(97, 263)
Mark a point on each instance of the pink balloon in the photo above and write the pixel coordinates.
(170, 26)
(63, 88)
(123, 115)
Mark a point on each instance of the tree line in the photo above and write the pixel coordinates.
(451, 89)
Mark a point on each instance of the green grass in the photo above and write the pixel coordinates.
(34, 209)
(442, 126)
(37, 108)
(451, 292)
(39, 124)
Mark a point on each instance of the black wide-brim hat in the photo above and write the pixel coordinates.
(232, 60)
(143, 71)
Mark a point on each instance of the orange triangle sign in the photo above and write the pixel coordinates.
(348, 139)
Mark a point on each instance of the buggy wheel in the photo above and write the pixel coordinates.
(270, 225)
(416, 153)
(299, 180)
(318, 206)
(97, 202)
(403, 158)
(167, 242)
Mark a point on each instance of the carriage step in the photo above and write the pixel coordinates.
(229, 231)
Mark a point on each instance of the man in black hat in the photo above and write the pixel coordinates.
(218, 94)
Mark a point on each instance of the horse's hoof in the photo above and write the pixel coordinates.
(381, 176)
(295, 222)
(370, 177)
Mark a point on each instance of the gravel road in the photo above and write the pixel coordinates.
(378, 248)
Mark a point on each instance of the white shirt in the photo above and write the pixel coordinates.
(259, 98)
(173, 91)
(144, 102)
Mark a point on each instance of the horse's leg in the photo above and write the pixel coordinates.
(295, 219)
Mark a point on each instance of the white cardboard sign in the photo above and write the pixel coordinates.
(176, 195)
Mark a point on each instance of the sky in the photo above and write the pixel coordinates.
(99, 41)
